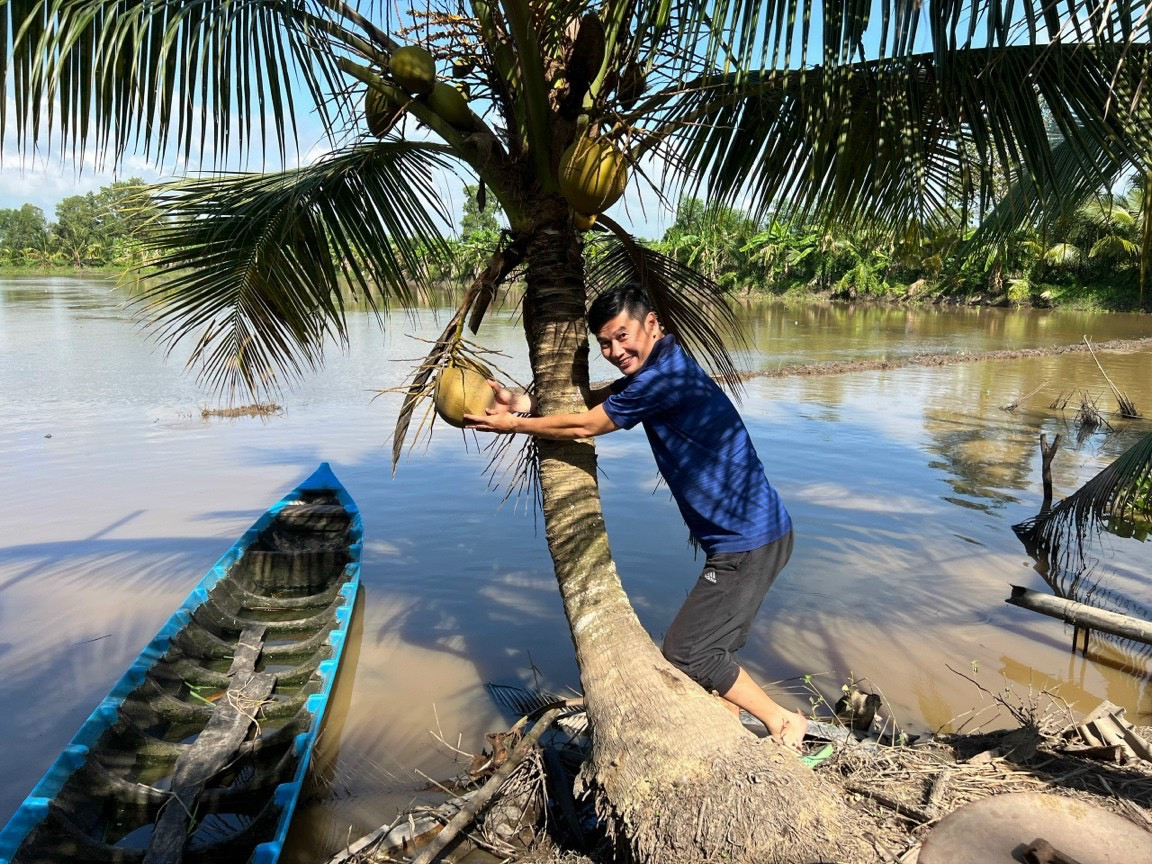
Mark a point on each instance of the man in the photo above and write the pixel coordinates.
(706, 457)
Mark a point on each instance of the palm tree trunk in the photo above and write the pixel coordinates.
(676, 777)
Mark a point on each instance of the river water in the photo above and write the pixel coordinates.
(903, 484)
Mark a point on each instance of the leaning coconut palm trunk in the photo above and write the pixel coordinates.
(669, 790)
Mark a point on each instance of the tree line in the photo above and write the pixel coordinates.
(1089, 256)
(98, 229)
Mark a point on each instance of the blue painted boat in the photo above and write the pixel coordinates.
(200, 751)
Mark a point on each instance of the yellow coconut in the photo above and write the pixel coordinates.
(593, 175)
(461, 390)
(382, 108)
(414, 69)
(450, 104)
(583, 221)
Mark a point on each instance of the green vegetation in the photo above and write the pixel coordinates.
(97, 230)
(1089, 260)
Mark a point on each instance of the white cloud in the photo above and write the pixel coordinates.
(40, 175)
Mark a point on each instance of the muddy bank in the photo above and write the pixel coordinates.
(897, 795)
(838, 367)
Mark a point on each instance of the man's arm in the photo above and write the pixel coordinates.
(525, 403)
(562, 427)
(597, 395)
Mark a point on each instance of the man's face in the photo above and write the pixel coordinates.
(626, 342)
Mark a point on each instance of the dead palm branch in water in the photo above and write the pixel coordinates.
(1088, 416)
(1117, 500)
(1127, 408)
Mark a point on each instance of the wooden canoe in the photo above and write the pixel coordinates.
(200, 751)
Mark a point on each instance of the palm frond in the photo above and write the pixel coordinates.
(1027, 204)
(450, 344)
(742, 36)
(420, 387)
(688, 304)
(192, 76)
(1116, 497)
(258, 264)
(903, 140)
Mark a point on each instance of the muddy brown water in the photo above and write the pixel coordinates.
(903, 482)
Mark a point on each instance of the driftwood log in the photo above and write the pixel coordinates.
(215, 747)
(1047, 454)
(484, 795)
(1082, 615)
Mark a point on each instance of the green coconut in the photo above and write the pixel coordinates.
(461, 390)
(450, 104)
(382, 108)
(593, 175)
(414, 69)
(583, 221)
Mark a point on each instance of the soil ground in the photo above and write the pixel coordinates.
(836, 367)
(897, 793)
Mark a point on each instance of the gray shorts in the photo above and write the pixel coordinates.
(714, 621)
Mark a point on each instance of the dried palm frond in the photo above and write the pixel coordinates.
(1089, 417)
(1015, 403)
(451, 345)
(1127, 408)
(1113, 500)
(515, 463)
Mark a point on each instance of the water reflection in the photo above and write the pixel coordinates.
(903, 485)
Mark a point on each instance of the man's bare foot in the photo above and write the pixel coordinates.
(791, 732)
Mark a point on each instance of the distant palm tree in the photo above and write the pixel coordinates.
(818, 110)
(1140, 203)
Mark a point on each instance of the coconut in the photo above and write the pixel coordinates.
(382, 108)
(450, 104)
(461, 390)
(583, 222)
(593, 175)
(414, 69)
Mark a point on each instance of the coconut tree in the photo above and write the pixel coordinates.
(555, 109)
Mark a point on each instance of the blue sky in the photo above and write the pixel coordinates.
(40, 177)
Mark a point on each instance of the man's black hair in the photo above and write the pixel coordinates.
(629, 297)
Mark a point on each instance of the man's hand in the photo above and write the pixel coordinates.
(501, 417)
(508, 416)
(498, 418)
(505, 398)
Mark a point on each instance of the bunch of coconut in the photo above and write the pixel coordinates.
(593, 176)
(462, 388)
(413, 69)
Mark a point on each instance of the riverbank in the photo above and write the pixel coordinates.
(839, 367)
(10, 271)
(898, 795)
(1101, 299)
